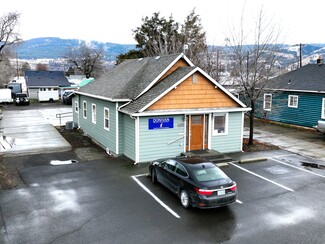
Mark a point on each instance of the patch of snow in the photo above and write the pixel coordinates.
(58, 162)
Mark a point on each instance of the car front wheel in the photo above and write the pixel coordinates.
(153, 176)
(185, 199)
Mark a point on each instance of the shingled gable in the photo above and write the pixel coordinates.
(130, 79)
(165, 86)
(46, 79)
(309, 78)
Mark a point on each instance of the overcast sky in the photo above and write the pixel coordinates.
(113, 21)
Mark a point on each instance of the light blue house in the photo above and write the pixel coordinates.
(159, 107)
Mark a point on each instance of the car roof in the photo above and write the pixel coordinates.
(194, 162)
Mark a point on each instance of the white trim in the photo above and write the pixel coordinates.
(216, 133)
(210, 132)
(109, 120)
(293, 105)
(117, 130)
(242, 132)
(164, 72)
(267, 109)
(102, 98)
(323, 108)
(189, 111)
(288, 90)
(83, 109)
(93, 118)
(184, 139)
(137, 140)
(222, 88)
(76, 105)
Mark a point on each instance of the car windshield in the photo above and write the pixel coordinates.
(208, 174)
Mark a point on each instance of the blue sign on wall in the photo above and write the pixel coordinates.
(160, 123)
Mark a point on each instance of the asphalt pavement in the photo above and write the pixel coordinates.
(99, 201)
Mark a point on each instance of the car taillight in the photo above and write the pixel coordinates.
(233, 188)
(203, 191)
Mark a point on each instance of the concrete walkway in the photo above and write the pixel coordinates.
(305, 142)
(31, 131)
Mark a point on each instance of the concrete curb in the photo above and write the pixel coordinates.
(251, 160)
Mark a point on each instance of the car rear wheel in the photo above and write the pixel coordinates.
(153, 176)
(185, 199)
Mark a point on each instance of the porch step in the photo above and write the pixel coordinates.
(211, 155)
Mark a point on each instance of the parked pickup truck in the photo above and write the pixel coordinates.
(48, 96)
(21, 99)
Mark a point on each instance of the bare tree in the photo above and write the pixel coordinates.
(41, 67)
(8, 35)
(211, 62)
(7, 71)
(86, 59)
(254, 64)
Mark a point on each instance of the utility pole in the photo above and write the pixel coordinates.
(300, 55)
(17, 67)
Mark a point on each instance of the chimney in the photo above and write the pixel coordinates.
(320, 60)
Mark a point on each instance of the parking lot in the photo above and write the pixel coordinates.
(110, 200)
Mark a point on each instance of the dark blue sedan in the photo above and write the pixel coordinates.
(196, 181)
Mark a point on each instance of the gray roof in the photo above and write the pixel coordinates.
(46, 79)
(130, 78)
(308, 78)
(158, 89)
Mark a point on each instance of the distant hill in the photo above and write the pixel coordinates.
(54, 48)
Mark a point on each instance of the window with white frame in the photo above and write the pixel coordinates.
(85, 109)
(267, 105)
(220, 124)
(93, 113)
(323, 109)
(76, 106)
(106, 119)
(293, 101)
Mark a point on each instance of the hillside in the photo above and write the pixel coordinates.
(54, 48)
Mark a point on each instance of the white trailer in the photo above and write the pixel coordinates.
(5, 95)
(48, 96)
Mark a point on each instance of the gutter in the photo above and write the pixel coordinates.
(188, 112)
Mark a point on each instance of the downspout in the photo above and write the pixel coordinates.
(117, 130)
(137, 125)
(79, 111)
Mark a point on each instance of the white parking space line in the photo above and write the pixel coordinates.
(310, 172)
(238, 201)
(154, 196)
(261, 177)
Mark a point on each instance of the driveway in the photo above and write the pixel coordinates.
(307, 142)
(30, 129)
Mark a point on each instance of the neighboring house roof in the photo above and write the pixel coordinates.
(86, 81)
(131, 78)
(46, 79)
(309, 78)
